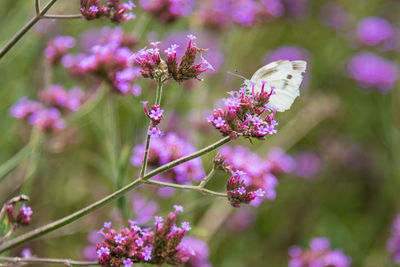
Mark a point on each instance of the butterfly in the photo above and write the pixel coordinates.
(283, 77)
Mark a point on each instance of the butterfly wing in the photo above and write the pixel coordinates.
(285, 76)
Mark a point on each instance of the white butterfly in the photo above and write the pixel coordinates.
(284, 77)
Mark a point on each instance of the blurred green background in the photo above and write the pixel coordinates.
(354, 207)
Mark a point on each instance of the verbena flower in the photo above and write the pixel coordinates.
(168, 11)
(374, 31)
(47, 114)
(393, 243)
(164, 150)
(370, 70)
(220, 14)
(114, 10)
(153, 66)
(22, 217)
(245, 114)
(57, 48)
(159, 245)
(319, 254)
(335, 16)
(109, 60)
(252, 177)
(199, 252)
(308, 164)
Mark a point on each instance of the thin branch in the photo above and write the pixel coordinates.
(66, 262)
(146, 151)
(37, 7)
(72, 16)
(8, 234)
(102, 202)
(26, 28)
(187, 187)
(206, 179)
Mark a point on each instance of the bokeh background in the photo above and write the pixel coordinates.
(347, 190)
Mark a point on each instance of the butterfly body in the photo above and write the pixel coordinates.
(283, 77)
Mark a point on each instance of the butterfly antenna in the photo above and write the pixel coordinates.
(237, 75)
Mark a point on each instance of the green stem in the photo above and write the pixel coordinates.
(111, 132)
(146, 151)
(37, 7)
(72, 16)
(206, 179)
(117, 194)
(21, 155)
(26, 28)
(186, 187)
(66, 262)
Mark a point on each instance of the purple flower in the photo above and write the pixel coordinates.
(336, 17)
(26, 210)
(103, 251)
(198, 252)
(147, 253)
(186, 226)
(119, 239)
(241, 190)
(374, 31)
(178, 208)
(307, 164)
(370, 70)
(24, 107)
(47, 119)
(319, 254)
(155, 132)
(219, 122)
(26, 253)
(393, 243)
(127, 263)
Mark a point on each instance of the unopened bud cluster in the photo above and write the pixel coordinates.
(245, 114)
(20, 218)
(114, 10)
(154, 67)
(155, 115)
(158, 245)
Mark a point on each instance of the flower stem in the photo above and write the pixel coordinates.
(186, 187)
(206, 179)
(37, 7)
(26, 28)
(66, 262)
(146, 151)
(102, 202)
(72, 16)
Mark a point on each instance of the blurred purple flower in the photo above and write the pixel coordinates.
(47, 120)
(24, 107)
(168, 11)
(319, 255)
(167, 149)
(393, 243)
(296, 8)
(200, 253)
(374, 31)
(336, 17)
(308, 164)
(370, 70)
(143, 209)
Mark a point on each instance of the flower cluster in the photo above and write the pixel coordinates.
(336, 17)
(319, 254)
(201, 253)
(252, 173)
(393, 244)
(239, 192)
(159, 245)
(165, 149)
(168, 11)
(45, 115)
(154, 67)
(244, 114)
(308, 164)
(219, 14)
(155, 115)
(109, 59)
(114, 10)
(376, 31)
(370, 70)
(57, 48)
(22, 217)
